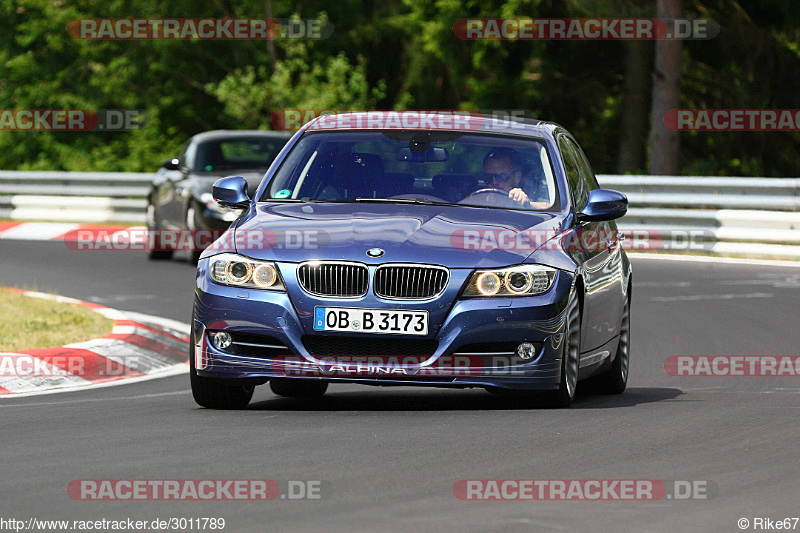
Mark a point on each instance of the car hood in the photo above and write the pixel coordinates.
(453, 236)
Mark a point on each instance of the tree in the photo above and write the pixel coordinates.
(664, 144)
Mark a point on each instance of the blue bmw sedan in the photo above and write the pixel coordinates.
(413, 248)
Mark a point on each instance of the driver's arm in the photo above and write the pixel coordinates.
(519, 196)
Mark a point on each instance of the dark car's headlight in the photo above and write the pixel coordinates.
(226, 213)
(521, 280)
(239, 271)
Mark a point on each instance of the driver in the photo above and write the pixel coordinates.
(502, 170)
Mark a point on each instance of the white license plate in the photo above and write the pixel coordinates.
(370, 320)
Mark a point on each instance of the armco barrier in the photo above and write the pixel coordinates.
(74, 196)
(747, 217)
(755, 217)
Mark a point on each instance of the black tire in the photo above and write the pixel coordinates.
(570, 359)
(159, 255)
(152, 225)
(298, 388)
(616, 379)
(212, 394)
(193, 255)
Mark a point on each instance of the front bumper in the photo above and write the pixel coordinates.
(458, 327)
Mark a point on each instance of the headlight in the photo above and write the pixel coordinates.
(239, 271)
(522, 280)
(208, 200)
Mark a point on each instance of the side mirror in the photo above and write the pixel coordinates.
(604, 204)
(231, 192)
(171, 164)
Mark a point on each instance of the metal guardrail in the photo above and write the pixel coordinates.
(748, 217)
(103, 197)
(755, 217)
(778, 194)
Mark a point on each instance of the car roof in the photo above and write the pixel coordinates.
(226, 134)
(470, 122)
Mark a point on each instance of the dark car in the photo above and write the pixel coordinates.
(481, 257)
(180, 194)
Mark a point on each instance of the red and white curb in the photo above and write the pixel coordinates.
(58, 231)
(139, 347)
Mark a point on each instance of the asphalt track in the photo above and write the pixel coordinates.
(392, 455)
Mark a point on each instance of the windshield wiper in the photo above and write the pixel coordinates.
(293, 200)
(418, 201)
(304, 200)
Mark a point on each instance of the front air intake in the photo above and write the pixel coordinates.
(339, 279)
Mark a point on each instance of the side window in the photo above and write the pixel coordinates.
(583, 165)
(577, 185)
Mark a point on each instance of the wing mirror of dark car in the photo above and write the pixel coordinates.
(231, 192)
(173, 163)
(604, 204)
(433, 154)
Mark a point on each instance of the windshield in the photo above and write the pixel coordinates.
(251, 152)
(416, 167)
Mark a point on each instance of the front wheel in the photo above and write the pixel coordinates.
(212, 394)
(571, 355)
(616, 380)
(193, 255)
(152, 225)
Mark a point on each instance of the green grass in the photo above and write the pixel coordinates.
(27, 323)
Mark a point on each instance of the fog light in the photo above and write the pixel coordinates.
(526, 350)
(221, 340)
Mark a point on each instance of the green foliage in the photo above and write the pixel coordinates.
(250, 95)
(390, 54)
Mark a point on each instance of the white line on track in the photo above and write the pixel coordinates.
(663, 284)
(709, 259)
(113, 398)
(117, 298)
(720, 390)
(38, 231)
(700, 297)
